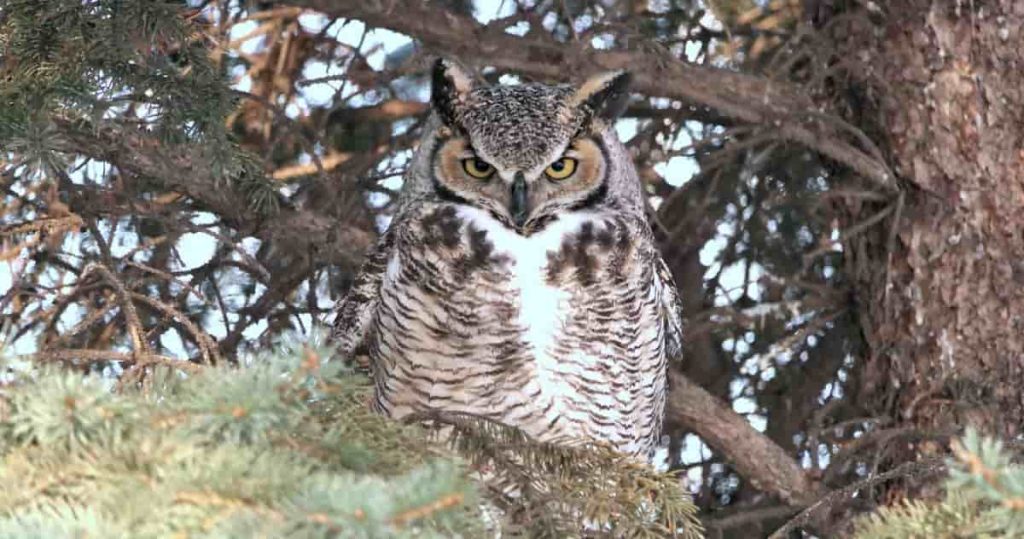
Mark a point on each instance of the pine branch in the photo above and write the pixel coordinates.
(984, 490)
(548, 490)
(180, 167)
(287, 447)
(218, 453)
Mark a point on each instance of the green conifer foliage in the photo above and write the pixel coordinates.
(984, 499)
(272, 450)
(546, 490)
(115, 65)
(286, 447)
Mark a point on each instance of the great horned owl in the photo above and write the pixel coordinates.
(518, 279)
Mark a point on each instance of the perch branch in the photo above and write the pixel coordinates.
(754, 456)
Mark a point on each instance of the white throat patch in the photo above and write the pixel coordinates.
(542, 307)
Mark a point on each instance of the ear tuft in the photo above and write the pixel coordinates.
(449, 86)
(604, 96)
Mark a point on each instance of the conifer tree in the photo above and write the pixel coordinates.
(286, 447)
(832, 183)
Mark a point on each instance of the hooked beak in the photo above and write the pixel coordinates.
(517, 205)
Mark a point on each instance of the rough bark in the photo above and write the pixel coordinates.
(754, 455)
(939, 288)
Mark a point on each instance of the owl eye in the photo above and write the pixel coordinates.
(561, 169)
(477, 168)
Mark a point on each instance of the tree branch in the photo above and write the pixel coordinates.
(742, 97)
(753, 454)
(748, 516)
(926, 467)
(137, 156)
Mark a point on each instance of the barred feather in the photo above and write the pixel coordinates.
(562, 330)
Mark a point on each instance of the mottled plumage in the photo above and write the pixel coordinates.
(518, 279)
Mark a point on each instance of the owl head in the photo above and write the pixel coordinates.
(530, 152)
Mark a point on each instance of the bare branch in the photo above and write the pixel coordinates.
(922, 468)
(113, 355)
(753, 454)
(139, 344)
(207, 347)
(743, 97)
(134, 154)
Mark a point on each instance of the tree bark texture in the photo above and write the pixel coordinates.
(941, 88)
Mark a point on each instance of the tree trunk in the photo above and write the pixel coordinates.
(940, 86)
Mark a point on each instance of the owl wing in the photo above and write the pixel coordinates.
(355, 311)
(672, 309)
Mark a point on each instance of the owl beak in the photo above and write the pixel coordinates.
(517, 205)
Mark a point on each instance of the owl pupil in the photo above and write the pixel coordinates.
(557, 166)
(480, 165)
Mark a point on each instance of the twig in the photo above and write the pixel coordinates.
(207, 347)
(85, 323)
(787, 343)
(168, 277)
(254, 265)
(328, 163)
(850, 233)
(830, 501)
(70, 354)
(131, 316)
(881, 439)
(416, 513)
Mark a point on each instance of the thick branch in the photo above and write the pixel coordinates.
(752, 454)
(739, 96)
(137, 154)
(139, 157)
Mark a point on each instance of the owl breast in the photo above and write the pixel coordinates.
(559, 333)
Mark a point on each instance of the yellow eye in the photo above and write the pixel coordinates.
(561, 169)
(477, 168)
